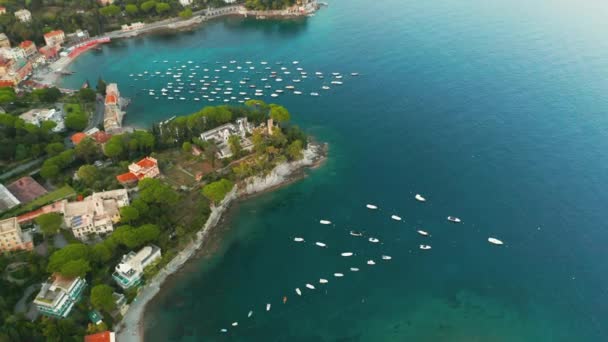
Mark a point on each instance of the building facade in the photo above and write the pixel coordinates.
(29, 47)
(145, 168)
(23, 15)
(58, 296)
(221, 134)
(54, 38)
(7, 199)
(113, 115)
(4, 41)
(95, 214)
(131, 269)
(12, 238)
(39, 115)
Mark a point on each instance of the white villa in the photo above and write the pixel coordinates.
(58, 296)
(96, 214)
(38, 115)
(130, 271)
(220, 136)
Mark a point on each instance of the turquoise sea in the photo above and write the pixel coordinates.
(496, 111)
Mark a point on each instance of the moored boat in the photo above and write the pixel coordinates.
(495, 241)
(454, 219)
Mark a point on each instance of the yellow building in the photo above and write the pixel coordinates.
(11, 236)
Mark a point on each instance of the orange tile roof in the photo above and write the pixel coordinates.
(111, 99)
(53, 33)
(78, 137)
(26, 43)
(127, 177)
(105, 336)
(146, 162)
(101, 137)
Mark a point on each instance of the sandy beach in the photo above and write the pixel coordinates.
(131, 327)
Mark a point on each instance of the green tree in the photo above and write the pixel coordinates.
(76, 121)
(187, 147)
(87, 94)
(71, 252)
(54, 149)
(101, 86)
(75, 268)
(234, 141)
(148, 5)
(216, 191)
(131, 9)
(162, 7)
(129, 214)
(101, 298)
(279, 113)
(114, 147)
(294, 150)
(132, 237)
(7, 95)
(102, 252)
(49, 170)
(88, 174)
(87, 150)
(110, 11)
(153, 191)
(49, 223)
(186, 14)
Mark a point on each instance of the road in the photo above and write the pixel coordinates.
(97, 117)
(22, 168)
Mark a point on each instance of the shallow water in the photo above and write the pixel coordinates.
(494, 111)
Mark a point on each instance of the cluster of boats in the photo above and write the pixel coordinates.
(235, 82)
(349, 254)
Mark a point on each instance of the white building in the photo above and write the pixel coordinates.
(96, 214)
(220, 136)
(38, 115)
(23, 15)
(134, 26)
(131, 269)
(7, 199)
(185, 2)
(58, 296)
(12, 53)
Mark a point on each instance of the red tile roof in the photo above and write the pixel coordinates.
(53, 33)
(146, 162)
(101, 137)
(111, 99)
(78, 137)
(127, 177)
(105, 336)
(26, 43)
(26, 189)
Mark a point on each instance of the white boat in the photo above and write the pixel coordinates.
(325, 222)
(320, 244)
(263, 62)
(310, 286)
(371, 262)
(279, 91)
(354, 74)
(196, 99)
(454, 219)
(295, 62)
(249, 314)
(420, 198)
(353, 233)
(296, 80)
(297, 92)
(338, 77)
(371, 206)
(298, 239)
(336, 82)
(335, 73)
(323, 281)
(338, 275)
(274, 95)
(354, 269)
(279, 80)
(396, 218)
(386, 257)
(423, 233)
(290, 87)
(318, 73)
(373, 240)
(298, 291)
(347, 254)
(325, 87)
(267, 307)
(425, 247)
(287, 72)
(248, 62)
(495, 241)
(234, 324)
(224, 330)
(314, 94)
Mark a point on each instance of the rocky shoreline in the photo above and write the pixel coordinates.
(131, 328)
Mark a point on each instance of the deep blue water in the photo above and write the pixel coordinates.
(495, 111)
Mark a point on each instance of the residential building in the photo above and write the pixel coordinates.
(38, 115)
(7, 199)
(220, 135)
(145, 168)
(2, 10)
(4, 41)
(76, 37)
(131, 269)
(185, 2)
(58, 295)
(106, 336)
(134, 26)
(14, 71)
(28, 47)
(95, 214)
(113, 115)
(12, 238)
(49, 52)
(23, 15)
(54, 38)
(105, 2)
(26, 189)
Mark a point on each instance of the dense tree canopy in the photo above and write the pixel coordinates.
(101, 298)
(49, 223)
(216, 191)
(72, 260)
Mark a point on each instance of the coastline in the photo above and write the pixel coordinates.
(131, 328)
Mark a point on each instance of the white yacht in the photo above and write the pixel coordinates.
(353, 233)
(234, 324)
(495, 241)
(396, 218)
(249, 314)
(297, 92)
(325, 87)
(320, 244)
(323, 281)
(373, 240)
(338, 275)
(298, 291)
(423, 233)
(454, 219)
(371, 206)
(347, 254)
(386, 257)
(310, 286)
(325, 222)
(298, 239)
(314, 94)
(371, 262)
(267, 307)
(425, 247)
(354, 269)
(420, 198)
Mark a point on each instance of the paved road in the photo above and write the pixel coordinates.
(21, 168)
(97, 118)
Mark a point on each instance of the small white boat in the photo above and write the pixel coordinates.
(298, 239)
(336, 82)
(325, 87)
(323, 281)
(325, 222)
(354, 74)
(267, 307)
(338, 275)
(354, 269)
(297, 92)
(347, 254)
(335, 73)
(234, 324)
(339, 77)
(425, 247)
(353, 233)
(454, 219)
(295, 62)
(298, 291)
(290, 87)
(420, 198)
(297, 80)
(320, 244)
(318, 73)
(249, 314)
(279, 80)
(224, 330)
(371, 262)
(423, 233)
(274, 95)
(314, 94)
(495, 241)
(396, 218)
(310, 286)
(386, 257)
(373, 240)
(371, 206)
